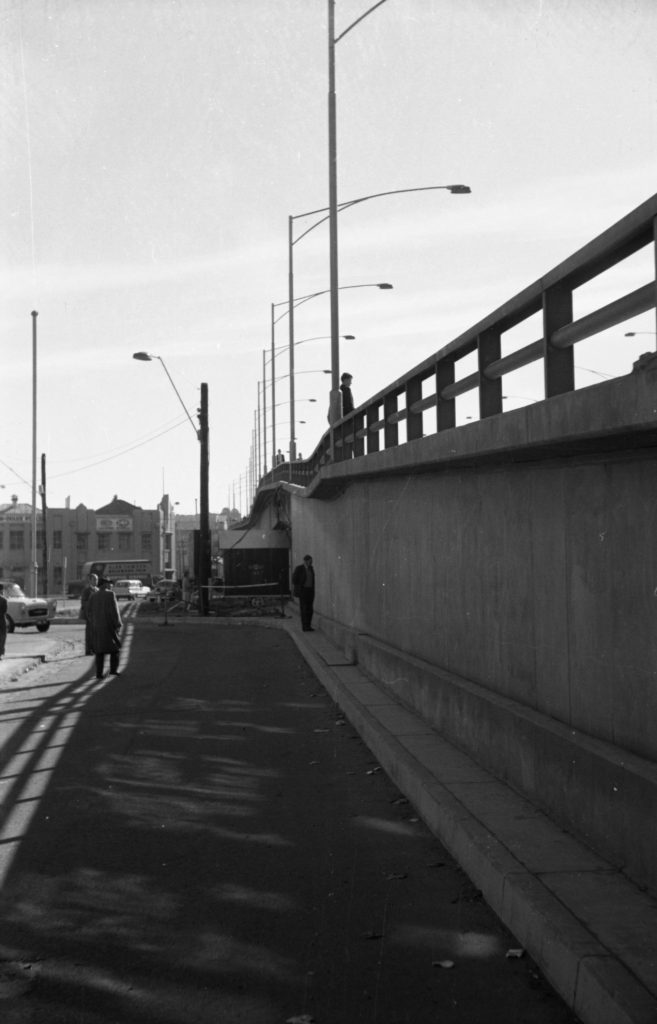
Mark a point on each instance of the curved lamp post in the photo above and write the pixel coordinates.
(291, 306)
(148, 357)
(202, 434)
(334, 207)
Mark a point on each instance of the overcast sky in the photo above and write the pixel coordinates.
(152, 151)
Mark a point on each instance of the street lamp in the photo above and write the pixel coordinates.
(291, 306)
(292, 241)
(202, 434)
(148, 357)
(334, 207)
(34, 568)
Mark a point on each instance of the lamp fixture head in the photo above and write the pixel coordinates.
(459, 190)
(384, 286)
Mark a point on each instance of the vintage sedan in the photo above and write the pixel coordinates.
(131, 590)
(25, 611)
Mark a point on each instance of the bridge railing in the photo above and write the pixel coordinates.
(433, 384)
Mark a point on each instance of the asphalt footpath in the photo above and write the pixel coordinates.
(242, 827)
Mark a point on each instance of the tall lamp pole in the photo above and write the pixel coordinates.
(334, 399)
(205, 554)
(334, 404)
(34, 567)
(334, 207)
(202, 435)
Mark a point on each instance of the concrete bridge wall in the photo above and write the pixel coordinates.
(501, 578)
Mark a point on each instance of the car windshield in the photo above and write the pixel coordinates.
(13, 590)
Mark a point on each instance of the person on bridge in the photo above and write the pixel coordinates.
(347, 407)
(105, 619)
(303, 582)
(87, 591)
(347, 397)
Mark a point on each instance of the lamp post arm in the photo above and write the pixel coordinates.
(314, 295)
(454, 189)
(164, 367)
(358, 20)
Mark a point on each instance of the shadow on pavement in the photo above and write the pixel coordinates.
(205, 839)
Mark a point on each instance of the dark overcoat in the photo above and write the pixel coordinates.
(105, 620)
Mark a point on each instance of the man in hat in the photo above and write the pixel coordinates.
(105, 620)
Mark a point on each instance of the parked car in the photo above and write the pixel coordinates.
(25, 611)
(130, 590)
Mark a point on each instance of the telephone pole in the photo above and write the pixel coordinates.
(205, 553)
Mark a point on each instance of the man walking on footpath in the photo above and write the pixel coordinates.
(303, 582)
(87, 591)
(103, 614)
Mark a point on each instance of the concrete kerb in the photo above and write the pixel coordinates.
(598, 981)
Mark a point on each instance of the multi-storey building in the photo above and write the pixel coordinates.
(117, 532)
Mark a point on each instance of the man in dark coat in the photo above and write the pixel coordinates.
(347, 397)
(87, 591)
(103, 615)
(303, 583)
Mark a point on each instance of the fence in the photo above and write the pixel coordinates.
(433, 384)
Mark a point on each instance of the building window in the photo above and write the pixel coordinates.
(2, 540)
(146, 542)
(125, 542)
(39, 539)
(58, 577)
(57, 540)
(81, 541)
(103, 540)
(16, 540)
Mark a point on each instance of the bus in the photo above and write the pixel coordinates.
(131, 569)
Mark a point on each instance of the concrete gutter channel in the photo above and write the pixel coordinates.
(592, 932)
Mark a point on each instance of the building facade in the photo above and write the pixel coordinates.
(119, 531)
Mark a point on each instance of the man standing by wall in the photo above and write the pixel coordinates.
(303, 582)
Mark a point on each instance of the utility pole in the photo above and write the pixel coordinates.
(205, 554)
(44, 523)
(34, 566)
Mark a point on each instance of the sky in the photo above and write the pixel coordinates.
(152, 151)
